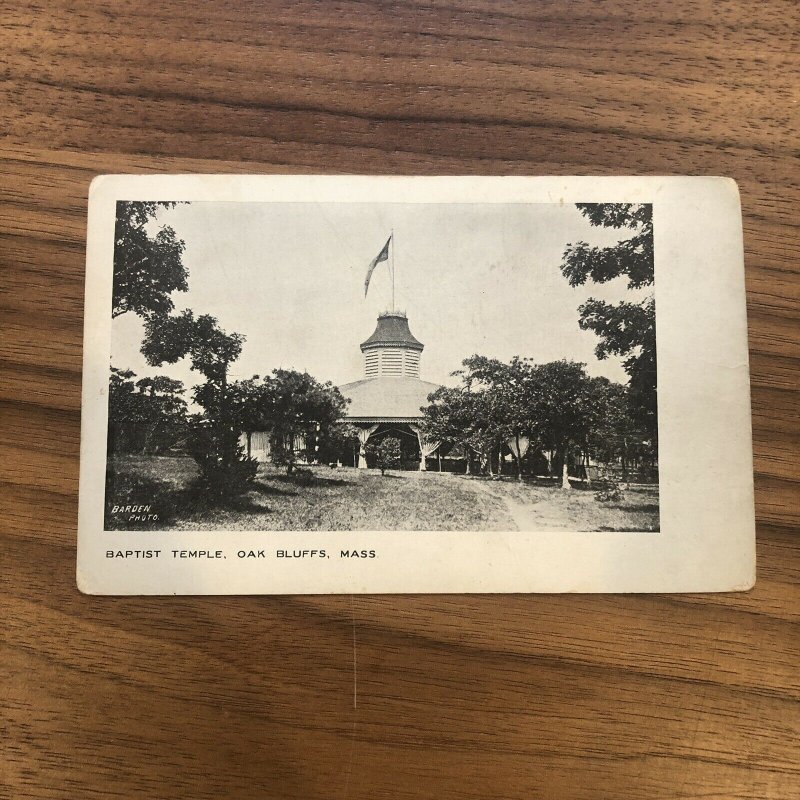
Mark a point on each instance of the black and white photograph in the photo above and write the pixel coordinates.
(383, 366)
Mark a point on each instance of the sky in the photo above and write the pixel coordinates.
(472, 278)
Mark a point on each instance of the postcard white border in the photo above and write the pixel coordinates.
(707, 537)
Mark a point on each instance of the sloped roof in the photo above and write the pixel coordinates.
(392, 330)
(387, 398)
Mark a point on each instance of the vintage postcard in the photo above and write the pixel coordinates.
(318, 384)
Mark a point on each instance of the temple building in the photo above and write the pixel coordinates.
(388, 399)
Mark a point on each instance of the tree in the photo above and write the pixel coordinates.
(147, 415)
(301, 412)
(210, 349)
(616, 436)
(504, 413)
(225, 471)
(341, 437)
(557, 406)
(125, 410)
(386, 453)
(490, 409)
(450, 418)
(165, 411)
(147, 268)
(562, 409)
(626, 329)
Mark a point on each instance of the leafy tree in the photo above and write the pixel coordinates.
(488, 410)
(557, 406)
(225, 471)
(626, 329)
(297, 409)
(562, 409)
(121, 388)
(147, 268)
(505, 407)
(632, 257)
(386, 453)
(165, 410)
(451, 417)
(125, 409)
(153, 407)
(336, 439)
(210, 349)
(616, 436)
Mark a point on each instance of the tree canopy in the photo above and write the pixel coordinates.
(147, 268)
(503, 408)
(627, 328)
(146, 414)
(632, 257)
(385, 453)
(557, 407)
(455, 416)
(225, 472)
(210, 349)
(292, 405)
(563, 406)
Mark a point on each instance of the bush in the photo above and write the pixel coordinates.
(225, 471)
(609, 494)
(386, 453)
(303, 476)
(611, 491)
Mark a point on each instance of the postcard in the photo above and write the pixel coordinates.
(319, 384)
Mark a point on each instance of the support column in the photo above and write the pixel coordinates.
(426, 447)
(363, 437)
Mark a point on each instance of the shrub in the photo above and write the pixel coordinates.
(611, 491)
(386, 453)
(225, 471)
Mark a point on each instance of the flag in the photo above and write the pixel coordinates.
(382, 256)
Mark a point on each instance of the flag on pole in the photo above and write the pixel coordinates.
(382, 256)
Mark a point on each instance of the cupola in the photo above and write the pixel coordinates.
(392, 351)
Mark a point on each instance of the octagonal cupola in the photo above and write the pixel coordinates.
(392, 351)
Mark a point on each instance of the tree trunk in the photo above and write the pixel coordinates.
(518, 456)
(148, 438)
(466, 453)
(229, 449)
(625, 460)
(439, 453)
(565, 484)
(586, 466)
(289, 452)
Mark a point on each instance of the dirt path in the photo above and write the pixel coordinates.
(531, 516)
(523, 514)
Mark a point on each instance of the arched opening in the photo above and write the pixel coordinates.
(409, 443)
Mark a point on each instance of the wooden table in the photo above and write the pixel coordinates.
(388, 697)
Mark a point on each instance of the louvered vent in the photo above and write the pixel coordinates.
(391, 362)
(371, 364)
(391, 351)
(411, 365)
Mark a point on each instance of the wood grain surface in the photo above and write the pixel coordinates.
(368, 697)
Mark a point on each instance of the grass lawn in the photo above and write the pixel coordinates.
(548, 507)
(351, 499)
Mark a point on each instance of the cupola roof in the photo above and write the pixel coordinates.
(392, 331)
